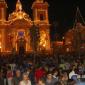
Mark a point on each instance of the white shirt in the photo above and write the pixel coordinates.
(24, 83)
(71, 74)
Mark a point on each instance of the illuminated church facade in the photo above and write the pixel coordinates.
(15, 32)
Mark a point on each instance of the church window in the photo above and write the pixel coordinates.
(20, 33)
(41, 17)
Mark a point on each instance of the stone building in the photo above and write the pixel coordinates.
(15, 32)
(75, 39)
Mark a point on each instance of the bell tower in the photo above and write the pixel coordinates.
(40, 11)
(3, 7)
(40, 14)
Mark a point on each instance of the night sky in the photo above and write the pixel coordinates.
(61, 12)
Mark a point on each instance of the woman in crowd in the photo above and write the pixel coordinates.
(25, 80)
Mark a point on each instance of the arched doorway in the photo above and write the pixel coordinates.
(21, 42)
(21, 45)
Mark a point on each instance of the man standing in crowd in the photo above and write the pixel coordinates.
(17, 78)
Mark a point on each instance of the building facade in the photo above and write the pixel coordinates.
(15, 32)
(75, 39)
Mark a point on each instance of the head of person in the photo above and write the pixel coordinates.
(29, 70)
(49, 76)
(41, 82)
(62, 77)
(9, 68)
(55, 72)
(65, 75)
(18, 73)
(25, 76)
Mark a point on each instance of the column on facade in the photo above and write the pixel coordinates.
(47, 16)
(3, 14)
(28, 47)
(3, 40)
(48, 36)
(26, 42)
(35, 16)
(14, 40)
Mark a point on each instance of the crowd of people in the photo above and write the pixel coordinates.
(44, 70)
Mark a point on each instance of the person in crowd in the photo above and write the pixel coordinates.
(9, 76)
(81, 69)
(17, 78)
(4, 68)
(41, 82)
(1, 79)
(55, 74)
(63, 79)
(67, 66)
(71, 82)
(39, 73)
(58, 83)
(30, 72)
(62, 65)
(65, 76)
(50, 80)
(25, 80)
(72, 73)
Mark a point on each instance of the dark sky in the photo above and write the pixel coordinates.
(62, 12)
